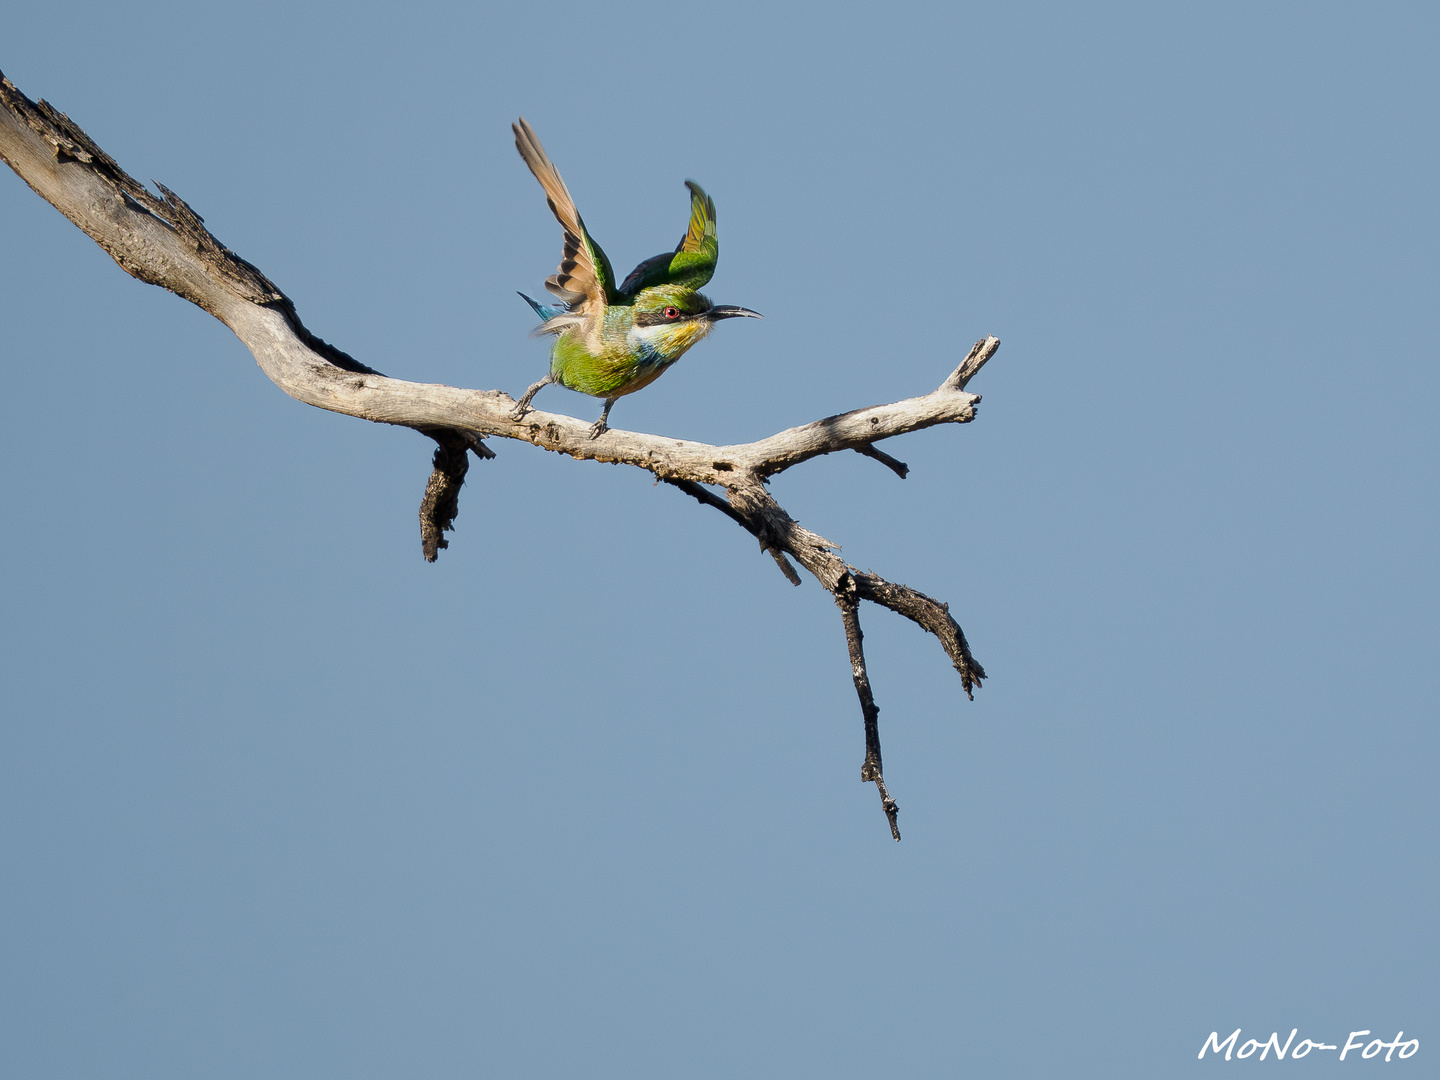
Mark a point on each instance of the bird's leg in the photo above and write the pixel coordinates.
(523, 405)
(603, 424)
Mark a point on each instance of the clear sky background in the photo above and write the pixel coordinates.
(279, 799)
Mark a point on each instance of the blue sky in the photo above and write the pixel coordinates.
(278, 798)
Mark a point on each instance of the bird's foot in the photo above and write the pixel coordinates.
(523, 405)
(599, 428)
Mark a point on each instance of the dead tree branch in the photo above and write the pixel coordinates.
(160, 240)
(872, 769)
(442, 491)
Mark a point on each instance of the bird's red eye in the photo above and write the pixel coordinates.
(671, 313)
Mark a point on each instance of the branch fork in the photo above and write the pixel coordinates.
(161, 240)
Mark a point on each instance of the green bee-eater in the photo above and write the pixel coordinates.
(612, 341)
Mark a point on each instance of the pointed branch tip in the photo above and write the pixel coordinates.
(980, 353)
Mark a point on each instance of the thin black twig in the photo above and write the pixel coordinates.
(895, 465)
(873, 769)
(709, 498)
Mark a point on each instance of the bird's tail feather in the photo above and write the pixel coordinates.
(554, 317)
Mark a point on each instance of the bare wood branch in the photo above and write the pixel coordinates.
(927, 613)
(161, 240)
(857, 429)
(980, 352)
(873, 769)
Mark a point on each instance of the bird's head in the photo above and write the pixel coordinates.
(671, 318)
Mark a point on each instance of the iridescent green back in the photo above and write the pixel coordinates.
(692, 263)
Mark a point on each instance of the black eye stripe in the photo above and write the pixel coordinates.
(655, 318)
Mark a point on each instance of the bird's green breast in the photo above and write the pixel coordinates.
(627, 360)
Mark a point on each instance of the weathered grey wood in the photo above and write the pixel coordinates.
(159, 239)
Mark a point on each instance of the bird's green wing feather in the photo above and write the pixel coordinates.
(692, 263)
(584, 277)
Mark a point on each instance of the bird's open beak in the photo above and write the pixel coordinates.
(726, 312)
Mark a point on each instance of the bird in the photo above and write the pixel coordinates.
(614, 340)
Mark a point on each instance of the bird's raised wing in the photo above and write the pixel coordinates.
(692, 263)
(584, 279)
